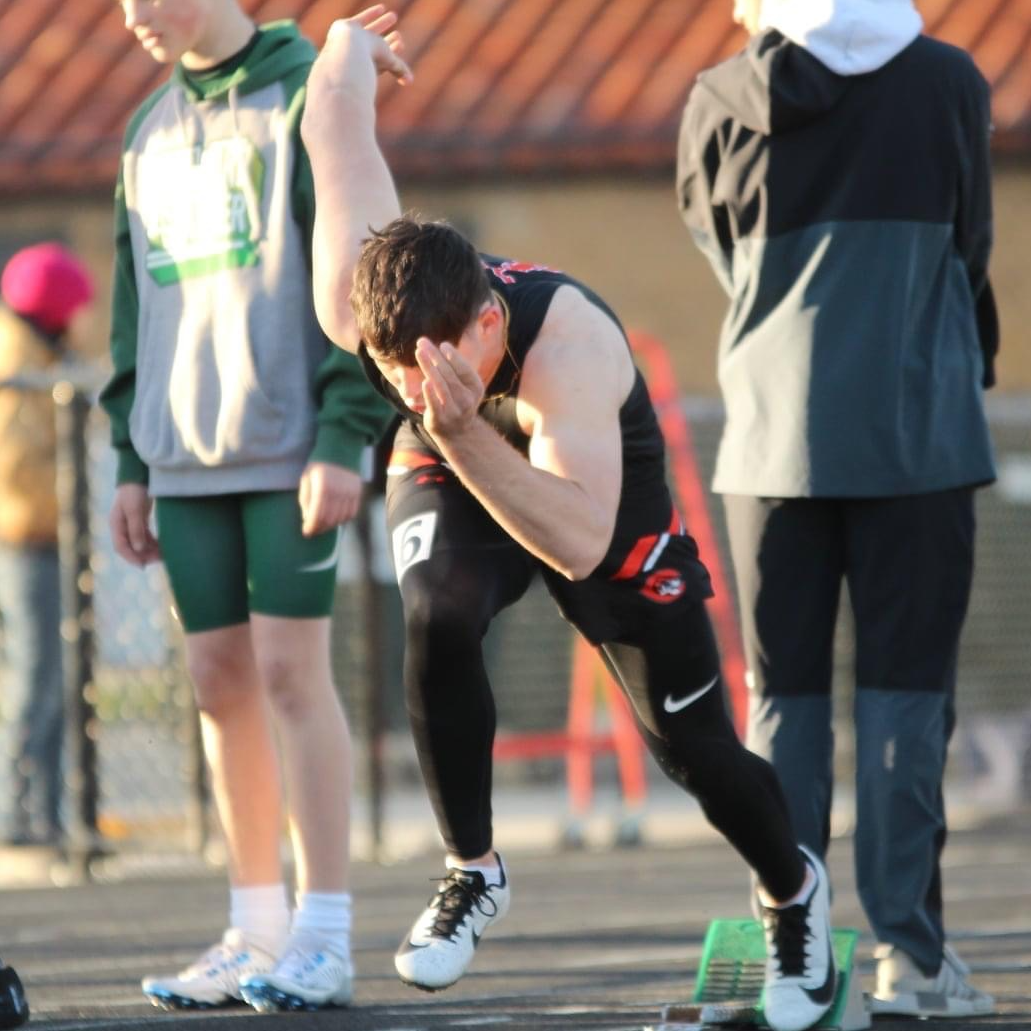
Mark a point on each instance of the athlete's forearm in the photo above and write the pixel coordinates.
(553, 518)
(354, 191)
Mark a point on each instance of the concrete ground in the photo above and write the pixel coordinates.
(597, 939)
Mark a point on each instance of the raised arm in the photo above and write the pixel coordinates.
(353, 186)
(561, 503)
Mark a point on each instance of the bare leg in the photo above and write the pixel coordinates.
(238, 744)
(315, 745)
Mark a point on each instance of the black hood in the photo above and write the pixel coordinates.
(774, 85)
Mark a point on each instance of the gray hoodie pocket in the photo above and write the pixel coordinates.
(200, 404)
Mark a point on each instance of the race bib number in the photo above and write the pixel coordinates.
(413, 541)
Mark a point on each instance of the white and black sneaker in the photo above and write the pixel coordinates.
(442, 942)
(801, 976)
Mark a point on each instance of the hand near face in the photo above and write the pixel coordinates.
(452, 389)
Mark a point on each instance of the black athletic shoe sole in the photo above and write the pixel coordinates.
(171, 1001)
(14, 1007)
(426, 987)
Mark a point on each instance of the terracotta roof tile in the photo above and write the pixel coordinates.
(502, 86)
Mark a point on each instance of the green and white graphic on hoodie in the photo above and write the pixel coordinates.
(201, 208)
(223, 380)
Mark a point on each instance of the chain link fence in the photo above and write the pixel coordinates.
(140, 777)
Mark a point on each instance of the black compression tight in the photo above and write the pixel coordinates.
(449, 602)
(698, 748)
(448, 605)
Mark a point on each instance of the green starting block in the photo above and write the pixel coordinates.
(730, 979)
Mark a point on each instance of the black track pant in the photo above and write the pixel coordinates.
(458, 569)
(908, 566)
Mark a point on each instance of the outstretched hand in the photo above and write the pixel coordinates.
(356, 51)
(452, 389)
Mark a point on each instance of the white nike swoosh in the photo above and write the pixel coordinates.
(326, 563)
(675, 706)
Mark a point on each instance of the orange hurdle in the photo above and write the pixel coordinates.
(589, 678)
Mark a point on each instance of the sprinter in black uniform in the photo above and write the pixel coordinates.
(555, 466)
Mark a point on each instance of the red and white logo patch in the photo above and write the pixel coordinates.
(664, 586)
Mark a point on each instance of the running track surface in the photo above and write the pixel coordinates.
(596, 940)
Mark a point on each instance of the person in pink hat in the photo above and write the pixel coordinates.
(44, 288)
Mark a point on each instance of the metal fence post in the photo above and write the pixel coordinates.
(72, 408)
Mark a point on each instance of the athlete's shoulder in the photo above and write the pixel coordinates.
(578, 315)
(579, 353)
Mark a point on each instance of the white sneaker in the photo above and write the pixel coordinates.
(213, 979)
(903, 989)
(310, 975)
(442, 942)
(801, 976)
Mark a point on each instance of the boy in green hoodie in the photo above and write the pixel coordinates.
(232, 411)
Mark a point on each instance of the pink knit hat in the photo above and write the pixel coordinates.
(46, 284)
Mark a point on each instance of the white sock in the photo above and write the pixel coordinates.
(262, 914)
(491, 874)
(808, 886)
(327, 914)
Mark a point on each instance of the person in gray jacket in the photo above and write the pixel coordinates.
(836, 174)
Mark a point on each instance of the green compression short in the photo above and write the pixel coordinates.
(229, 555)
